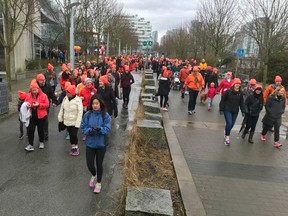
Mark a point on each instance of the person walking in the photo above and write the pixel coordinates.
(21, 99)
(38, 103)
(163, 90)
(126, 81)
(275, 107)
(232, 100)
(210, 95)
(270, 89)
(183, 74)
(253, 104)
(195, 83)
(224, 85)
(70, 114)
(96, 124)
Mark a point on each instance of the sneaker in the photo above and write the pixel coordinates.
(92, 181)
(189, 112)
(41, 146)
(71, 151)
(164, 109)
(227, 142)
(97, 188)
(262, 138)
(193, 111)
(76, 152)
(29, 148)
(21, 136)
(277, 144)
(84, 138)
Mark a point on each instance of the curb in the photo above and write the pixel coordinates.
(191, 199)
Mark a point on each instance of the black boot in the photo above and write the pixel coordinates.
(251, 134)
(244, 134)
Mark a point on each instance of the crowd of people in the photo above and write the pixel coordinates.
(88, 101)
(90, 93)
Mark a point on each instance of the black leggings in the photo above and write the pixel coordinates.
(276, 129)
(251, 123)
(73, 134)
(165, 97)
(126, 94)
(99, 153)
(192, 99)
(34, 121)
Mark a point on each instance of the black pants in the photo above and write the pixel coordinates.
(99, 153)
(165, 97)
(21, 125)
(192, 99)
(276, 125)
(73, 134)
(34, 121)
(46, 124)
(126, 93)
(251, 123)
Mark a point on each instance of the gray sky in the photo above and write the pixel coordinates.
(164, 14)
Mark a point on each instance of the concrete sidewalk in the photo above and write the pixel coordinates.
(243, 179)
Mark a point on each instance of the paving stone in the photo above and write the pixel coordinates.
(152, 107)
(147, 95)
(143, 100)
(150, 89)
(151, 131)
(154, 116)
(148, 76)
(142, 201)
(149, 82)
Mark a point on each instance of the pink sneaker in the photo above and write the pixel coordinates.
(92, 181)
(277, 144)
(262, 138)
(97, 188)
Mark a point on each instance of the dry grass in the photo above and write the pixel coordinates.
(149, 167)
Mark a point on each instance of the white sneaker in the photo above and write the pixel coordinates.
(164, 109)
(29, 148)
(41, 146)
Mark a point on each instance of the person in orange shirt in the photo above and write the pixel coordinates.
(183, 74)
(271, 88)
(195, 83)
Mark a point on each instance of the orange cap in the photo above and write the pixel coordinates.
(22, 95)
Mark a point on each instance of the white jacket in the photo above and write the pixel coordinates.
(71, 112)
(25, 114)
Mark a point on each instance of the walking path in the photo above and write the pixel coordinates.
(243, 179)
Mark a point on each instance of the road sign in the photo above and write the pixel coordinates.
(150, 43)
(240, 53)
(145, 43)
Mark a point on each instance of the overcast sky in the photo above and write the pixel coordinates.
(163, 15)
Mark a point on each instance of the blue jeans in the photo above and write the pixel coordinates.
(230, 119)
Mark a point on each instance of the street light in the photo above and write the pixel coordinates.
(72, 54)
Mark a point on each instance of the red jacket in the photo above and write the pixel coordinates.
(42, 99)
(224, 85)
(87, 93)
(211, 92)
(183, 74)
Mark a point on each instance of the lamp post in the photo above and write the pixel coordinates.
(72, 54)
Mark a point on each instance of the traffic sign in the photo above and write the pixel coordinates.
(145, 43)
(150, 43)
(240, 53)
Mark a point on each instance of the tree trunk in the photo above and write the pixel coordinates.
(8, 70)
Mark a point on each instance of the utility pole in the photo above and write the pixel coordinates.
(119, 48)
(107, 49)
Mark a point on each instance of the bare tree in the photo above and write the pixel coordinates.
(267, 23)
(18, 16)
(220, 21)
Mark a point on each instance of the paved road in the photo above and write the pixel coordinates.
(242, 179)
(50, 181)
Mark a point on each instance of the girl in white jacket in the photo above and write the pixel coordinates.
(70, 114)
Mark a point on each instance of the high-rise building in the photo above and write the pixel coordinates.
(143, 30)
(154, 37)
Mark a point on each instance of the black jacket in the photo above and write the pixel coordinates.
(164, 86)
(49, 91)
(232, 100)
(107, 95)
(275, 107)
(254, 104)
(126, 80)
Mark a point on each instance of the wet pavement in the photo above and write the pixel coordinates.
(50, 181)
(243, 179)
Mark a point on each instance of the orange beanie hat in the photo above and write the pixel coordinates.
(40, 77)
(22, 95)
(236, 81)
(165, 74)
(253, 82)
(195, 68)
(34, 84)
(71, 89)
(50, 67)
(126, 68)
(104, 80)
(67, 84)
